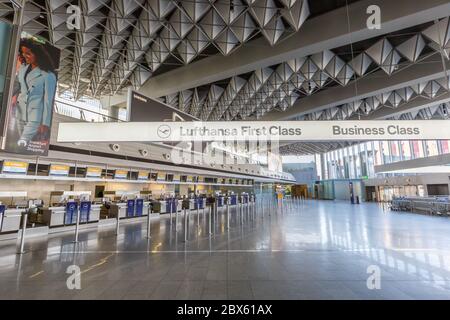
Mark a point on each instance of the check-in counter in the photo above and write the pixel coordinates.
(233, 200)
(244, 198)
(146, 208)
(137, 207)
(54, 216)
(10, 220)
(199, 203)
(169, 205)
(163, 206)
(11, 215)
(118, 209)
(94, 215)
(220, 201)
(156, 206)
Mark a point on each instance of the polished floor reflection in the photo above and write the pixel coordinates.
(304, 250)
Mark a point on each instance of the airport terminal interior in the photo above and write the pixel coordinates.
(225, 149)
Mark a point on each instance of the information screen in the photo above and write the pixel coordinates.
(161, 176)
(93, 172)
(143, 175)
(59, 170)
(17, 167)
(120, 174)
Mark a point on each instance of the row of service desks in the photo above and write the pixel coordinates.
(91, 212)
(67, 214)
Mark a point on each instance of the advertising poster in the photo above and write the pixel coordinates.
(29, 117)
(6, 32)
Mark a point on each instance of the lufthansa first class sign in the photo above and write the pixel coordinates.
(254, 130)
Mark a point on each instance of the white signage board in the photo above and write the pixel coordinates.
(255, 130)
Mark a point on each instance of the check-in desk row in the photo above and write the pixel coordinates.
(172, 205)
(10, 218)
(67, 215)
(130, 208)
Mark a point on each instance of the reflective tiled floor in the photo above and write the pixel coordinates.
(309, 250)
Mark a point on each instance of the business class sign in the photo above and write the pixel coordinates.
(254, 131)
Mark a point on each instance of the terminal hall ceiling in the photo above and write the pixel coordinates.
(124, 42)
(279, 87)
(127, 42)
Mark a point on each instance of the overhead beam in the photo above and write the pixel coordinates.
(327, 31)
(372, 85)
(413, 105)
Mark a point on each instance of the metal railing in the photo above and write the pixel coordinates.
(76, 112)
(430, 205)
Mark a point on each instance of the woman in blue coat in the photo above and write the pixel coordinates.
(37, 80)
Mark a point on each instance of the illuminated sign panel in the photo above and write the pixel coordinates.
(120, 174)
(59, 170)
(93, 172)
(143, 175)
(17, 167)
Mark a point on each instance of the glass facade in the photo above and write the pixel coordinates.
(359, 161)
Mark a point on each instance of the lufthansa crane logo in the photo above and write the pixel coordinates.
(164, 131)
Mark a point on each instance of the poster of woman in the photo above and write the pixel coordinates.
(30, 118)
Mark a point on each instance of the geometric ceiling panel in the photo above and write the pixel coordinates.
(281, 85)
(149, 34)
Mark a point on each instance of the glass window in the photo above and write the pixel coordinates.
(395, 154)
(445, 146)
(405, 150)
(358, 159)
(385, 151)
(432, 148)
(363, 154)
(417, 149)
(377, 153)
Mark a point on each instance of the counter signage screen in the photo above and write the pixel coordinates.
(145, 109)
(176, 178)
(93, 172)
(161, 176)
(141, 108)
(59, 170)
(29, 115)
(189, 179)
(17, 167)
(120, 174)
(143, 175)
